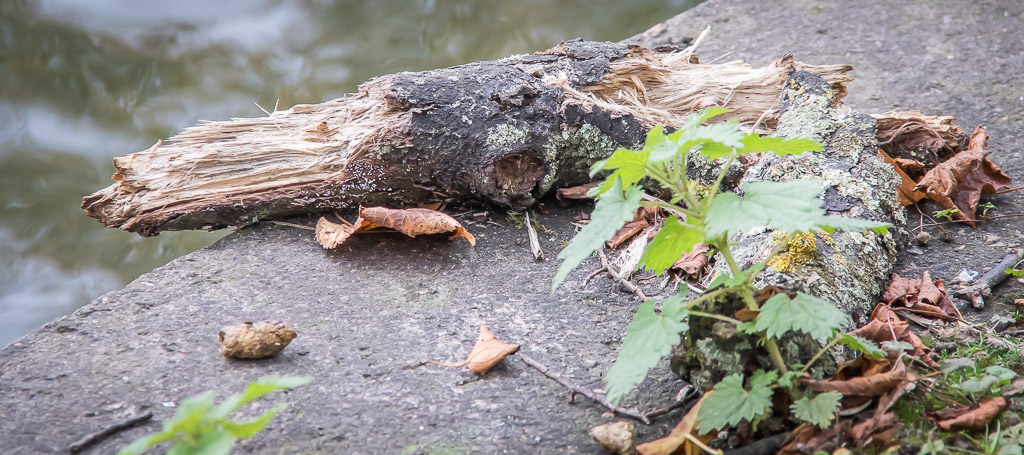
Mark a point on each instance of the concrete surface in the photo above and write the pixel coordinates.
(367, 317)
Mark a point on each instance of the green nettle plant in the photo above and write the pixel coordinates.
(199, 427)
(791, 207)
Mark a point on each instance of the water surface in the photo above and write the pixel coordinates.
(84, 81)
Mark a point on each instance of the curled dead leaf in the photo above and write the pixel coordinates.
(615, 438)
(884, 324)
(683, 439)
(922, 296)
(411, 222)
(907, 194)
(913, 134)
(486, 353)
(576, 192)
(959, 182)
(973, 418)
(693, 264)
(874, 385)
(626, 232)
(255, 341)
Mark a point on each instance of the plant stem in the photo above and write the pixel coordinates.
(820, 352)
(706, 296)
(775, 354)
(721, 177)
(715, 316)
(723, 247)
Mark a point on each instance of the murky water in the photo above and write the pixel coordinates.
(84, 81)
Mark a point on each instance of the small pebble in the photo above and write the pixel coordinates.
(946, 236)
(923, 238)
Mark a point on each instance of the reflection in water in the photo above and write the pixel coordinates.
(86, 81)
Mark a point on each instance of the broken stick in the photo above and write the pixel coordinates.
(503, 131)
(983, 286)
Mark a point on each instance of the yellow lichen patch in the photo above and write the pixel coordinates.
(699, 190)
(799, 251)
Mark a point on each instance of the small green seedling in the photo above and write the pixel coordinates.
(199, 427)
(947, 214)
(709, 215)
(985, 207)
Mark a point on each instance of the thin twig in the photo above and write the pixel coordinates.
(285, 223)
(538, 254)
(599, 399)
(983, 286)
(106, 432)
(618, 278)
(591, 276)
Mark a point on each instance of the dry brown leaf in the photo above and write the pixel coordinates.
(576, 192)
(911, 134)
(615, 438)
(878, 432)
(429, 205)
(626, 232)
(692, 264)
(488, 351)
(959, 182)
(884, 323)
(864, 386)
(913, 168)
(907, 194)
(923, 296)
(974, 418)
(680, 441)
(254, 341)
(411, 222)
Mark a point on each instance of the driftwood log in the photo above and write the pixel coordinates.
(502, 132)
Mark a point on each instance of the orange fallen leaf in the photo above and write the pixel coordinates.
(907, 194)
(626, 232)
(488, 351)
(682, 436)
(884, 323)
(923, 296)
(974, 418)
(959, 182)
(411, 222)
(576, 192)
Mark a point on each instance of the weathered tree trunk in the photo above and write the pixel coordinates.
(849, 269)
(503, 131)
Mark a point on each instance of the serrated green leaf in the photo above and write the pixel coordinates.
(762, 378)
(979, 385)
(708, 113)
(898, 346)
(214, 443)
(860, 344)
(820, 410)
(649, 337)
(255, 390)
(190, 413)
(672, 241)
(629, 166)
(752, 143)
(142, 444)
(951, 365)
(789, 206)
(788, 380)
(730, 403)
(717, 139)
(611, 212)
(1003, 373)
(248, 428)
(805, 313)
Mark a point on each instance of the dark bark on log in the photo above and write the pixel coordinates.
(502, 132)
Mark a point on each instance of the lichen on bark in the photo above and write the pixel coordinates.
(848, 269)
